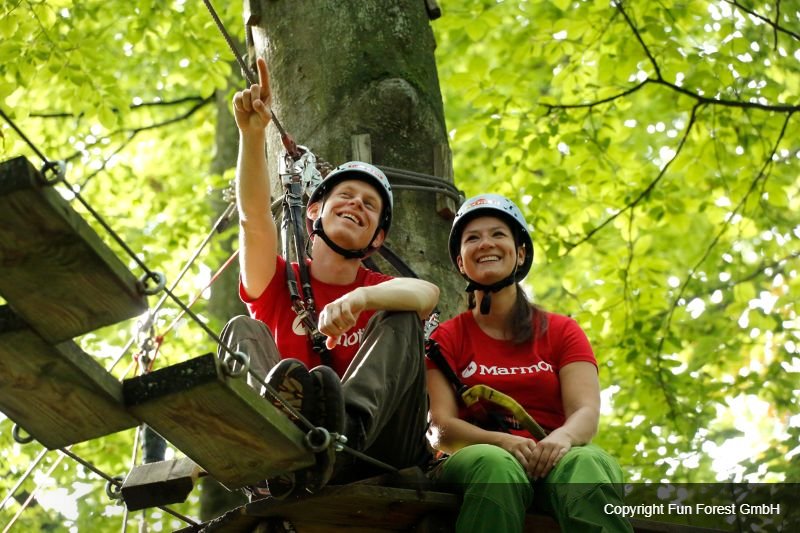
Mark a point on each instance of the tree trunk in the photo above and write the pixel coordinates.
(344, 69)
(339, 70)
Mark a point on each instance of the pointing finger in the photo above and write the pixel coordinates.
(263, 77)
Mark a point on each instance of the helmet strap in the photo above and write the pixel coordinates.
(487, 290)
(347, 254)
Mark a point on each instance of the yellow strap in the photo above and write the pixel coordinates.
(477, 392)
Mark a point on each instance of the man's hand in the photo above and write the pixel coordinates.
(251, 106)
(340, 316)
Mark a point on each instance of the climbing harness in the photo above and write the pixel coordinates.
(487, 406)
(299, 177)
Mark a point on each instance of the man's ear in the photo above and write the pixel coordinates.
(379, 238)
(313, 210)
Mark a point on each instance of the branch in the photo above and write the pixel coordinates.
(626, 92)
(761, 175)
(778, 266)
(647, 189)
(179, 101)
(135, 131)
(775, 26)
(652, 59)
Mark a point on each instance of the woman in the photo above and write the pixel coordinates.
(541, 360)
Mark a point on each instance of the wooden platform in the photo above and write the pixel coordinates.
(55, 271)
(57, 393)
(369, 508)
(219, 422)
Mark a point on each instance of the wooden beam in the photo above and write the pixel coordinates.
(58, 394)
(363, 508)
(443, 168)
(361, 146)
(220, 422)
(160, 483)
(347, 508)
(55, 271)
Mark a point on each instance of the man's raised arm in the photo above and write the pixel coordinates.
(258, 234)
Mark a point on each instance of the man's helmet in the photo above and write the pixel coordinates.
(357, 170)
(353, 170)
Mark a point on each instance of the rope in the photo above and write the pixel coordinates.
(24, 138)
(25, 476)
(31, 495)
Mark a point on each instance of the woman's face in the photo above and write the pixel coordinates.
(488, 252)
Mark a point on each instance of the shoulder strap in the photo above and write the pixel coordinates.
(302, 295)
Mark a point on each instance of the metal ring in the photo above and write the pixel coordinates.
(58, 167)
(17, 437)
(160, 279)
(231, 358)
(114, 490)
(317, 440)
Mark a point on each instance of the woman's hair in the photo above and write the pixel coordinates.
(528, 321)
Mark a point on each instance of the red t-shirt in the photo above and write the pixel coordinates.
(274, 308)
(527, 372)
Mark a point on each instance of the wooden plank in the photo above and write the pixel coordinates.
(55, 271)
(361, 145)
(58, 394)
(352, 508)
(221, 423)
(363, 507)
(443, 168)
(159, 483)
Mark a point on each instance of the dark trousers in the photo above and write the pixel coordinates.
(384, 387)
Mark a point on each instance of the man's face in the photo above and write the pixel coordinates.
(351, 213)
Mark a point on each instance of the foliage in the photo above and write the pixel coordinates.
(124, 92)
(652, 145)
(654, 148)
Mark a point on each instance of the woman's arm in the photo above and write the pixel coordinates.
(449, 433)
(580, 394)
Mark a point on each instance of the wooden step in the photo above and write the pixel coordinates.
(55, 272)
(219, 422)
(160, 483)
(57, 393)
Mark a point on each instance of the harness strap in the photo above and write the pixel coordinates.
(483, 394)
(301, 294)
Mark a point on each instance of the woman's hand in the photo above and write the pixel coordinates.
(538, 459)
(548, 453)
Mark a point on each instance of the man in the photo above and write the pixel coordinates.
(379, 358)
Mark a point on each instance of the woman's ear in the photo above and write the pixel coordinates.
(521, 254)
(460, 263)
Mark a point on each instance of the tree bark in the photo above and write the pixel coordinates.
(342, 69)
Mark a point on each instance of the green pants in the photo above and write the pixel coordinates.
(497, 493)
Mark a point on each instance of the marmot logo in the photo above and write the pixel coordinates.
(471, 368)
(298, 327)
